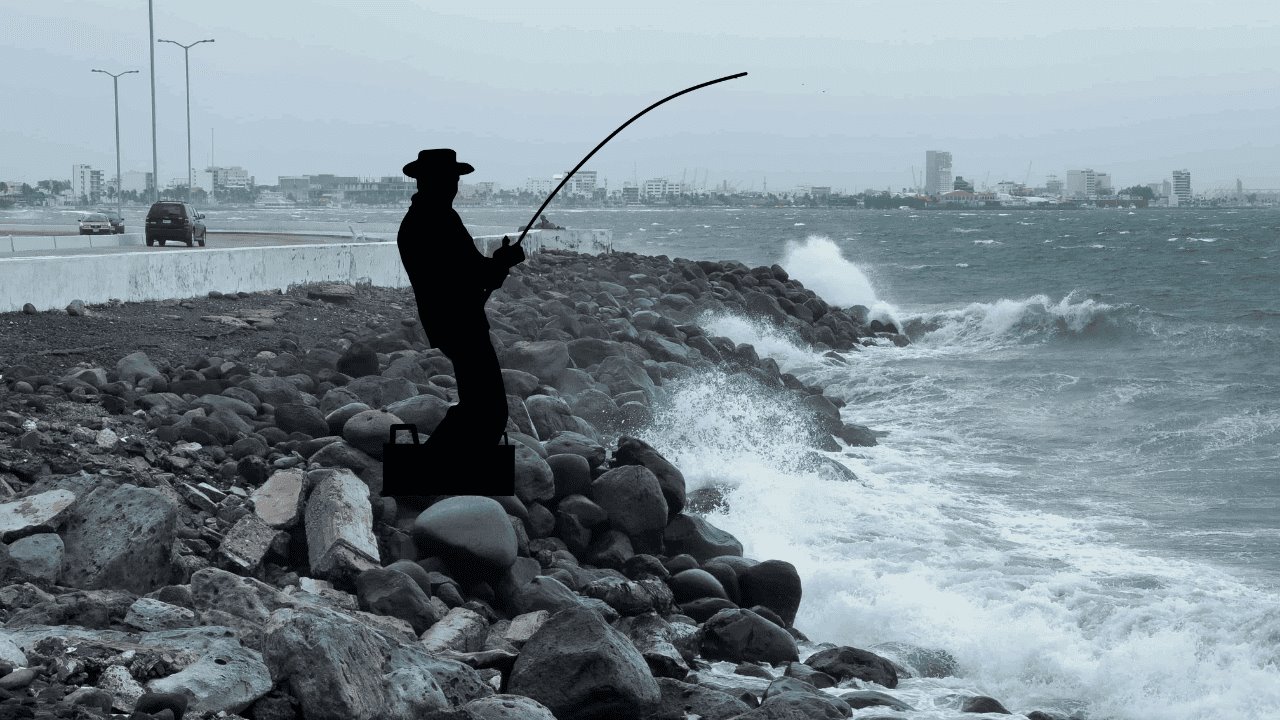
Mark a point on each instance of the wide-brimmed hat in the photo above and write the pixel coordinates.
(437, 162)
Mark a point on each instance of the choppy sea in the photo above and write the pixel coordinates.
(1078, 497)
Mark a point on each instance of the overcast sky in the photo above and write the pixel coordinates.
(847, 93)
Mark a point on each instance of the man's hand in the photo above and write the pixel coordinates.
(509, 255)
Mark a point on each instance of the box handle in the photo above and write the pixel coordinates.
(413, 430)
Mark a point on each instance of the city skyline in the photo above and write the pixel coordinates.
(839, 96)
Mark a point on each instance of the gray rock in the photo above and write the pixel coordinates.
(534, 478)
(342, 454)
(424, 411)
(543, 593)
(395, 594)
(572, 443)
(983, 704)
(339, 525)
(461, 630)
(507, 707)
(136, 366)
(369, 430)
(774, 584)
(377, 391)
(693, 584)
(844, 662)
(524, 626)
(550, 415)
(247, 543)
(633, 499)
(544, 359)
(798, 706)
(42, 512)
(579, 667)
(633, 451)
(572, 474)
(279, 501)
(119, 537)
(38, 556)
(274, 391)
(679, 698)
(622, 375)
(695, 536)
(125, 691)
(859, 699)
(149, 615)
(301, 418)
(227, 678)
(469, 532)
(737, 635)
(652, 637)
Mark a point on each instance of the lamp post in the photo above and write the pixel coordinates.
(151, 45)
(115, 87)
(186, 61)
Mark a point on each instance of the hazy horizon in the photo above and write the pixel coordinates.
(841, 95)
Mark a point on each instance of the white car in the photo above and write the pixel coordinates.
(95, 223)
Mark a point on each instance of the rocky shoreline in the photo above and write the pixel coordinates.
(197, 529)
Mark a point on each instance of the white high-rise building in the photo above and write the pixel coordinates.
(86, 184)
(1182, 186)
(937, 172)
(1084, 184)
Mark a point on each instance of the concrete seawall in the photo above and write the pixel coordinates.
(32, 243)
(51, 282)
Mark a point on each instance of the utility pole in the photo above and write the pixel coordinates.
(186, 61)
(115, 88)
(155, 164)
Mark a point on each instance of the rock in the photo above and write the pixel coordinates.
(534, 478)
(856, 435)
(28, 309)
(652, 636)
(248, 542)
(846, 662)
(119, 537)
(76, 308)
(42, 512)
(859, 699)
(695, 536)
(543, 593)
(415, 572)
(339, 525)
(377, 391)
(305, 419)
(389, 592)
(524, 626)
(368, 430)
(544, 359)
(507, 707)
(622, 375)
(469, 532)
(124, 690)
(679, 698)
(798, 706)
(579, 667)
(152, 703)
(632, 451)
(800, 671)
(150, 615)
(572, 443)
(983, 704)
(11, 654)
(274, 391)
(693, 584)
(424, 411)
(461, 630)
(703, 609)
(571, 473)
(18, 679)
(338, 417)
(226, 678)
(279, 501)
(737, 635)
(38, 556)
(550, 415)
(633, 499)
(341, 454)
(774, 584)
(359, 360)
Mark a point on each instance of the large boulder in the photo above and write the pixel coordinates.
(633, 499)
(775, 584)
(279, 501)
(550, 415)
(740, 635)
(544, 359)
(424, 411)
(472, 533)
(535, 480)
(573, 443)
(507, 707)
(389, 592)
(226, 678)
(305, 419)
(695, 536)
(633, 451)
(135, 367)
(42, 512)
(119, 537)
(368, 431)
(572, 474)
(38, 556)
(846, 662)
(581, 669)
(680, 698)
(622, 375)
(339, 525)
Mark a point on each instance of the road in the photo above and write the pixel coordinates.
(214, 240)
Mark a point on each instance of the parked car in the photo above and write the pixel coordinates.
(174, 220)
(94, 224)
(117, 222)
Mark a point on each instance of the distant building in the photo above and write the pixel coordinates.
(1182, 186)
(961, 184)
(937, 172)
(582, 184)
(539, 186)
(137, 181)
(820, 191)
(660, 187)
(630, 193)
(1084, 184)
(228, 178)
(86, 184)
(1052, 185)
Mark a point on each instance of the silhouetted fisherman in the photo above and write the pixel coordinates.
(451, 280)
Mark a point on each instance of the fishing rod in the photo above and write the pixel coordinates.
(621, 127)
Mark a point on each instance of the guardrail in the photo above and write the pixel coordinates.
(33, 243)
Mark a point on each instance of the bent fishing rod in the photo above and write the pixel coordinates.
(621, 127)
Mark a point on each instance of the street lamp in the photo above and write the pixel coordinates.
(115, 87)
(186, 49)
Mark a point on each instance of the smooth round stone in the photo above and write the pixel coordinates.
(467, 530)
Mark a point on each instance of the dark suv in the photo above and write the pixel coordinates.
(174, 220)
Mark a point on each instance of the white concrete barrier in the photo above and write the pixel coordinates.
(50, 282)
(33, 243)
